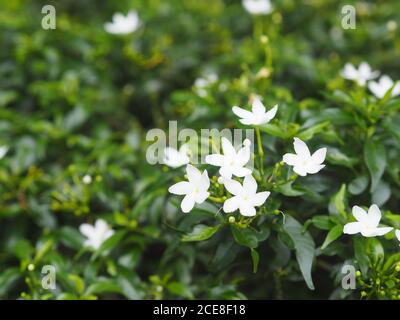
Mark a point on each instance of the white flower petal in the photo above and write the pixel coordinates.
(225, 172)
(319, 156)
(241, 113)
(248, 121)
(301, 148)
(231, 204)
(240, 172)
(205, 181)
(187, 203)
(101, 226)
(228, 148)
(215, 159)
(300, 170)
(271, 113)
(291, 159)
(397, 232)
(250, 184)
(201, 197)
(382, 231)
(314, 168)
(259, 198)
(360, 214)
(247, 210)
(180, 188)
(243, 156)
(194, 175)
(87, 230)
(233, 187)
(352, 228)
(374, 215)
(257, 107)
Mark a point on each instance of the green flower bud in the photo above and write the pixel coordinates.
(358, 274)
(363, 294)
(231, 219)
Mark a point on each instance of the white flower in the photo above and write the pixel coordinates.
(245, 197)
(201, 84)
(397, 232)
(123, 24)
(174, 158)
(367, 223)
(257, 7)
(231, 162)
(96, 234)
(195, 190)
(3, 151)
(258, 114)
(303, 162)
(87, 179)
(360, 75)
(380, 87)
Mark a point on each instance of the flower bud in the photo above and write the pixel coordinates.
(231, 219)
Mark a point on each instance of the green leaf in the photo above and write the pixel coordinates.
(358, 185)
(8, 278)
(304, 246)
(144, 202)
(201, 232)
(109, 244)
(382, 194)
(288, 190)
(310, 132)
(361, 255)
(71, 237)
(79, 284)
(332, 235)
(337, 203)
(322, 222)
(256, 259)
(375, 250)
(245, 236)
(102, 286)
(273, 130)
(180, 290)
(23, 249)
(375, 159)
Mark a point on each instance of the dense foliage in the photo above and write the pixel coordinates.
(76, 104)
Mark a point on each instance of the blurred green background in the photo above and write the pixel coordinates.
(78, 101)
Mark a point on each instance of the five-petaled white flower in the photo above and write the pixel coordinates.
(258, 114)
(360, 75)
(397, 232)
(231, 162)
(303, 162)
(174, 158)
(3, 151)
(367, 223)
(195, 190)
(96, 234)
(245, 197)
(380, 87)
(258, 7)
(123, 24)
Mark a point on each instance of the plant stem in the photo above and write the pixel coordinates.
(260, 152)
(219, 200)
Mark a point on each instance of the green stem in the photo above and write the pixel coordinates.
(260, 151)
(219, 200)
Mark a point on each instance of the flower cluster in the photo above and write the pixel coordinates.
(365, 74)
(232, 165)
